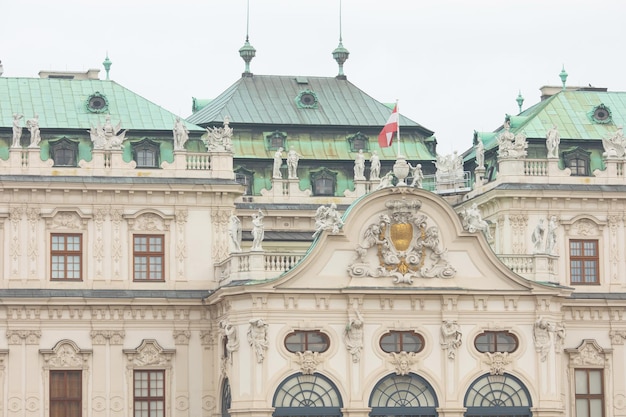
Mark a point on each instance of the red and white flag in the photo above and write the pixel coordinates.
(391, 127)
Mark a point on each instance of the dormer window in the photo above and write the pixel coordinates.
(146, 154)
(276, 140)
(64, 153)
(577, 160)
(358, 141)
(323, 182)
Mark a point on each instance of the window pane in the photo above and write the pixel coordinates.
(576, 270)
(595, 408)
(595, 382)
(581, 382)
(582, 409)
(141, 244)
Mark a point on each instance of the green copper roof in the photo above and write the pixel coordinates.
(272, 100)
(62, 104)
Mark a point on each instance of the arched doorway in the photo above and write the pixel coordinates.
(498, 395)
(403, 395)
(307, 396)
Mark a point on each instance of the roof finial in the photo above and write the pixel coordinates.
(340, 54)
(107, 64)
(247, 51)
(563, 76)
(520, 100)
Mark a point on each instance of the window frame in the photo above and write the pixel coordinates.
(148, 255)
(305, 344)
(584, 259)
(64, 144)
(66, 399)
(587, 397)
(275, 140)
(580, 155)
(399, 341)
(358, 139)
(322, 175)
(146, 145)
(150, 399)
(65, 253)
(493, 344)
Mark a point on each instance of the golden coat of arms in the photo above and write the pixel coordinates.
(406, 246)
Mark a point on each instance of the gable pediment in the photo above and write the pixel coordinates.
(402, 238)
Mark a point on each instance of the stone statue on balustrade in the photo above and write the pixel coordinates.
(510, 145)
(385, 181)
(553, 139)
(258, 231)
(220, 139)
(35, 133)
(480, 154)
(418, 176)
(234, 232)
(106, 136)
(538, 237)
(292, 164)
(359, 166)
(473, 221)
(374, 166)
(17, 130)
(278, 162)
(327, 218)
(449, 169)
(615, 145)
(181, 135)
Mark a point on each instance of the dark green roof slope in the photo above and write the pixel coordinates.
(61, 104)
(271, 100)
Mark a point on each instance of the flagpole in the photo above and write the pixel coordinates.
(398, 133)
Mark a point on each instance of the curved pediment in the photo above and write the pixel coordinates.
(402, 238)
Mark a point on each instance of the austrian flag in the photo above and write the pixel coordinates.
(391, 127)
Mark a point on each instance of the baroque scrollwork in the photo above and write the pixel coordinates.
(407, 246)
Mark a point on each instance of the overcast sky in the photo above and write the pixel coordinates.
(454, 65)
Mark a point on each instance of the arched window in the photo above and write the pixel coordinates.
(401, 341)
(496, 341)
(307, 395)
(307, 340)
(225, 403)
(498, 395)
(403, 395)
(146, 154)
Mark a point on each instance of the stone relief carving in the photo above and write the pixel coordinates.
(257, 338)
(451, 337)
(65, 355)
(327, 218)
(585, 227)
(106, 136)
(219, 139)
(66, 220)
(497, 361)
(402, 361)
(100, 337)
(181, 337)
(16, 337)
(546, 334)
(617, 336)
(308, 362)
(406, 245)
(149, 353)
(510, 145)
(353, 335)
(588, 353)
(149, 222)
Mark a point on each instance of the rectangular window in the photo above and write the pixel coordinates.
(149, 394)
(589, 393)
(66, 256)
(66, 393)
(584, 262)
(148, 257)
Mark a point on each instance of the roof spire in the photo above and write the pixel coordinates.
(520, 100)
(107, 64)
(340, 54)
(563, 76)
(247, 51)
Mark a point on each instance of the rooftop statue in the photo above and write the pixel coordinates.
(374, 166)
(181, 135)
(480, 154)
(553, 139)
(473, 221)
(615, 145)
(17, 130)
(292, 163)
(35, 134)
(234, 231)
(106, 136)
(258, 230)
(385, 181)
(219, 139)
(449, 168)
(418, 176)
(510, 145)
(278, 162)
(359, 166)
